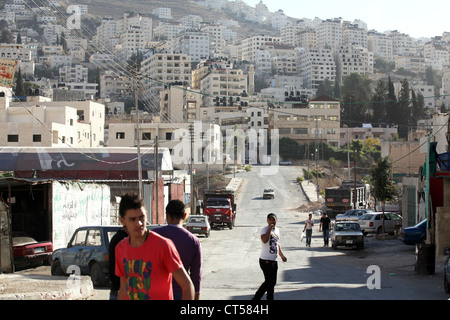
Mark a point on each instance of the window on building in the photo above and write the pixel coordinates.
(120, 135)
(37, 138)
(146, 136)
(13, 138)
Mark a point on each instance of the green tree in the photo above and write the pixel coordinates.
(356, 94)
(391, 104)
(418, 108)
(324, 88)
(383, 187)
(404, 117)
(19, 90)
(379, 102)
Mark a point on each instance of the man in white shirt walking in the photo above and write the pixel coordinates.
(270, 237)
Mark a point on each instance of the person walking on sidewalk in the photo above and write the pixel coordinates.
(308, 229)
(270, 237)
(325, 225)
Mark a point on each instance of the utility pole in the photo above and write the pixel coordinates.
(156, 178)
(191, 131)
(138, 140)
(354, 192)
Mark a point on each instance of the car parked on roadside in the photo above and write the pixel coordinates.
(268, 193)
(373, 222)
(352, 214)
(447, 271)
(415, 234)
(88, 249)
(30, 253)
(346, 234)
(198, 224)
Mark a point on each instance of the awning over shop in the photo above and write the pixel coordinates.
(82, 163)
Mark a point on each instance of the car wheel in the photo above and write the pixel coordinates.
(97, 276)
(56, 269)
(446, 284)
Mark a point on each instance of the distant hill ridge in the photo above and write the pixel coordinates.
(180, 8)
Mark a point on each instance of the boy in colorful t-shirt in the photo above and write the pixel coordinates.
(146, 261)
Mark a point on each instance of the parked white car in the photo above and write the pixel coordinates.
(373, 222)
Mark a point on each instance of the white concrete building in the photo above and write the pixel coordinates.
(163, 13)
(193, 43)
(76, 73)
(316, 65)
(166, 68)
(250, 46)
(40, 122)
(353, 59)
(380, 45)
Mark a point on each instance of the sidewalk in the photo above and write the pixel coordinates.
(32, 286)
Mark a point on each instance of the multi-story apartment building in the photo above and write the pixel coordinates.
(180, 104)
(22, 53)
(400, 41)
(135, 29)
(40, 122)
(168, 30)
(320, 122)
(353, 59)
(329, 34)
(263, 62)
(195, 44)
(445, 90)
(316, 65)
(76, 73)
(285, 65)
(306, 38)
(381, 45)
(205, 67)
(437, 55)
(114, 86)
(223, 84)
(216, 37)
(132, 41)
(250, 46)
(163, 13)
(354, 35)
(414, 63)
(174, 136)
(165, 68)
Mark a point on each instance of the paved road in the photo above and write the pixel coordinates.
(231, 270)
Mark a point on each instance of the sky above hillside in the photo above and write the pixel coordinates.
(417, 18)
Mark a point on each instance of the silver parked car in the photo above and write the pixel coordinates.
(198, 224)
(373, 222)
(347, 234)
(353, 214)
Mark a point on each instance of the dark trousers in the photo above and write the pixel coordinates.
(270, 269)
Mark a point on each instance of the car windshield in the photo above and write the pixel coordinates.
(217, 203)
(347, 227)
(366, 217)
(196, 220)
(268, 190)
(23, 241)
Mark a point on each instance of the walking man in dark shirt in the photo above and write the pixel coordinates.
(115, 280)
(325, 225)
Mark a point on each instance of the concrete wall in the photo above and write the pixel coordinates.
(442, 229)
